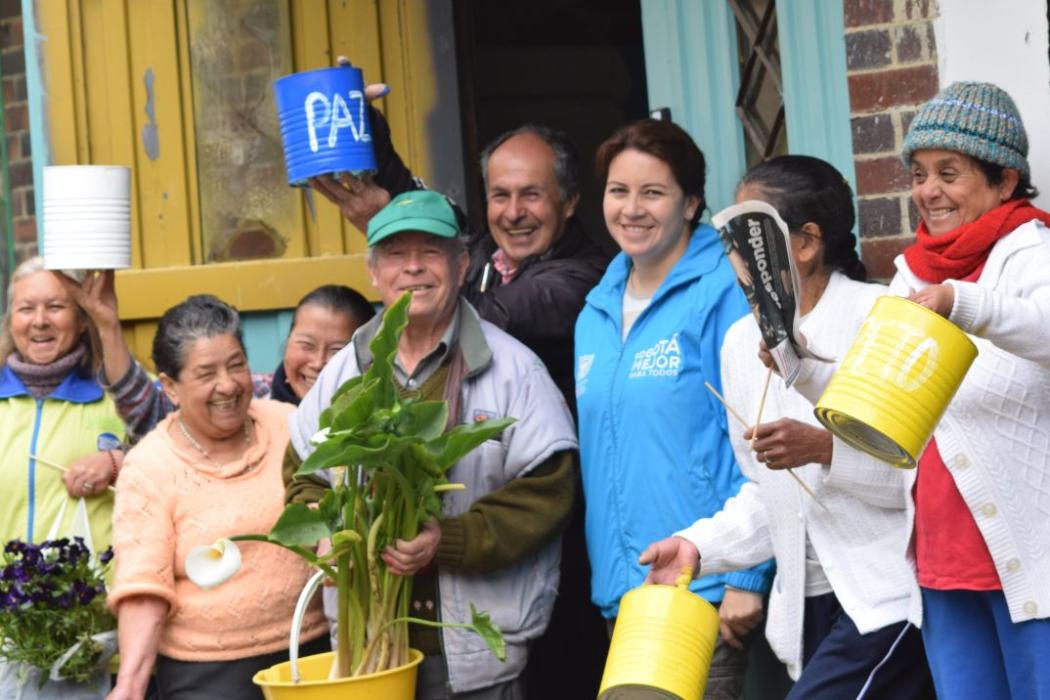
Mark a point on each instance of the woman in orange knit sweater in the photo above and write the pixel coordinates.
(209, 470)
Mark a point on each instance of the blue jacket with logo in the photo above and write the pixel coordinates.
(653, 444)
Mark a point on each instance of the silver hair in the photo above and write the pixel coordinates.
(199, 316)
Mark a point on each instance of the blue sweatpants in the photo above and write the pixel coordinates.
(975, 651)
(840, 663)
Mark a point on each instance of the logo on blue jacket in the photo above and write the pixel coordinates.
(583, 368)
(662, 359)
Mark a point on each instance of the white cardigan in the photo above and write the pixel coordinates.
(995, 435)
(860, 538)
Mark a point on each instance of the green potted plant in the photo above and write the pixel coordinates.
(56, 635)
(387, 458)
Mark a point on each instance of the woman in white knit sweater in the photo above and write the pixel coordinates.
(838, 611)
(979, 501)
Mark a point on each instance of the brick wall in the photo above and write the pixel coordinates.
(16, 127)
(891, 61)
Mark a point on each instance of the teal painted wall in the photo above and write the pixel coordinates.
(816, 91)
(264, 336)
(36, 96)
(691, 67)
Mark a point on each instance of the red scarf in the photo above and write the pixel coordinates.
(963, 252)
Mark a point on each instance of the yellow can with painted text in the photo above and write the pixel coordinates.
(896, 381)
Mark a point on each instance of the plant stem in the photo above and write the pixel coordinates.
(342, 582)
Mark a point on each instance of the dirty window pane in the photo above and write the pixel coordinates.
(760, 100)
(237, 49)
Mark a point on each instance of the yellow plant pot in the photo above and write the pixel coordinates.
(896, 381)
(662, 644)
(396, 684)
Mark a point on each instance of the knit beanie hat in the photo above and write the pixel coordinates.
(976, 119)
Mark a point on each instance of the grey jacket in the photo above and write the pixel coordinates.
(504, 378)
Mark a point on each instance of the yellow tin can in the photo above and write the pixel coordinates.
(661, 646)
(896, 381)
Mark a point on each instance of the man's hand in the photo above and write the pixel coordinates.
(668, 557)
(788, 443)
(406, 558)
(740, 612)
(358, 198)
(939, 298)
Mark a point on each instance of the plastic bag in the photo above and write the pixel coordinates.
(21, 681)
(80, 527)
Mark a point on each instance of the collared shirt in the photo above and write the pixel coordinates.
(432, 360)
(504, 266)
(463, 331)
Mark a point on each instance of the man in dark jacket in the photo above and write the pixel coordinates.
(528, 274)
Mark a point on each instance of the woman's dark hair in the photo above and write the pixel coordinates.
(994, 174)
(199, 316)
(338, 299)
(666, 141)
(804, 189)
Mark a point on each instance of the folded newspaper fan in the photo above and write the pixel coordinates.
(757, 244)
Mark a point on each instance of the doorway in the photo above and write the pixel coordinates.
(574, 65)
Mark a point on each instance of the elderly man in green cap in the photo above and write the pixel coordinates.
(497, 542)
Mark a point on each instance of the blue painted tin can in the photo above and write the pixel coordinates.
(324, 123)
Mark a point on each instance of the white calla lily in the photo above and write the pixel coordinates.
(320, 436)
(209, 566)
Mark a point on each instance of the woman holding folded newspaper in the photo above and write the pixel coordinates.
(838, 611)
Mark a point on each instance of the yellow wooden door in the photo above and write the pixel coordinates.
(180, 91)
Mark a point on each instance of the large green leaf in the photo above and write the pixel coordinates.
(326, 455)
(347, 386)
(377, 450)
(384, 350)
(330, 510)
(481, 623)
(423, 419)
(299, 525)
(455, 444)
(357, 407)
(342, 396)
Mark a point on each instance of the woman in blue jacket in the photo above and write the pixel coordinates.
(653, 441)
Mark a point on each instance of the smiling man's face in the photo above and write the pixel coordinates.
(526, 207)
(421, 263)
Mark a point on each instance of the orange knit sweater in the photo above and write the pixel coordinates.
(169, 500)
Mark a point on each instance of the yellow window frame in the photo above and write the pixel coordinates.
(95, 55)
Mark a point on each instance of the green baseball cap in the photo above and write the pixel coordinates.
(419, 210)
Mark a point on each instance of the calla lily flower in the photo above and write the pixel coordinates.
(211, 565)
(320, 436)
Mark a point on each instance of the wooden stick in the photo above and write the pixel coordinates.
(724, 403)
(761, 406)
(743, 423)
(59, 467)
